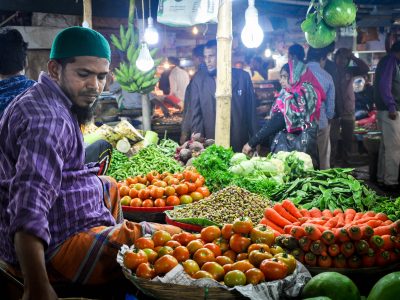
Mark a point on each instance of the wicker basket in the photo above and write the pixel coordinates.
(168, 291)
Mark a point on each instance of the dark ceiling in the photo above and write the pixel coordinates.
(119, 8)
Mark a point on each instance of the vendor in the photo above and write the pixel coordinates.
(58, 221)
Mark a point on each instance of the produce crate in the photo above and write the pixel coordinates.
(149, 214)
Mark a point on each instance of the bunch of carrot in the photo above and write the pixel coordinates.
(337, 239)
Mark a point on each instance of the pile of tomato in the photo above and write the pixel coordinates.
(236, 254)
(160, 190)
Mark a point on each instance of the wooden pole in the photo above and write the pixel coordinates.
(87, 12)
(223, 93)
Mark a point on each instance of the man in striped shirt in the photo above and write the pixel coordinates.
(315, 62)
(58, 220)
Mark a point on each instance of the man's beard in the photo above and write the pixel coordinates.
(84, 114)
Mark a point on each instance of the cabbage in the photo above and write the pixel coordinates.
(340, 13)
(237, 169)
(267, 167)
(322, 36)
(308, 165)
(247, 166)
(237, 158)
(281, 155)
(279, 165)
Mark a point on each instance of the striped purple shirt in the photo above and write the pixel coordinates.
(45, 187)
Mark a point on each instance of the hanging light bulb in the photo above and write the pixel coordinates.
(195, 30)
(268, 52)
(252, 34)
(151, 34)
(144, 62)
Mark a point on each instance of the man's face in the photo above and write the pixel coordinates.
(210, 58)
(83, 80)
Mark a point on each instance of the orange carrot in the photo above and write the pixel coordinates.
(340, 222)
(374, 223)
(366, 231)
(315, 212)
(322, 228)
(297, 223)
(358, 216)
(319, 221)
(349, 215)
(287, 228)
(291, 208)
(382, 217)
(275, 227)
(297, 232)
(313, 232)
(383, 230)
(332, 222)
(369, 214)
(303, 220)
(284, 213)
(305, 213)
(388, 243)
(387, 222)
(273, 216)
(337, 211)
(327, 213)
(363, 220)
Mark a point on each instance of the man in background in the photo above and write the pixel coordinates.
(343, 124)
(316, 59)
(178, 81)
(13, 82)
(387, 100)
(203, 102)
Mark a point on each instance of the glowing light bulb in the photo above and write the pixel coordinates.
(195, 30)
(151, 34)
(267, 52)
(144, 62)
(252, 34)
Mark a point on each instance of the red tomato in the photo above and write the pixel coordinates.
(181, 253)
(173, 200)
(223, 260)
(210, 233)
(194, 245)
(242, 265)
(184, 238)
(214, 248)
(196, 196)
(173, 244)
(142, 179)
(191, 187)
(227, 231)
(160, 237)
(124, 191)
(215, 269)
(144, 194)
(132, 259)
(133, 193)
(190, 266)
(147, 203)
(136, 202)
(165, 264)
(231, 254)
(159, 202)
(242, 225)
(273, 269)
(203, 255)
(182, 189)
(144, 242)
(254, 276)
(164, 250)
(222, 243)
(204, 191)
(239, 243)
(169, 191)
(202, 274)
(242, 256)
(145, 270)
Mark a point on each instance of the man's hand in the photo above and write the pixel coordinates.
(392, 115)
(30, 254)
(247, 149)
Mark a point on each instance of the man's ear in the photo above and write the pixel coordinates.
(54, 69)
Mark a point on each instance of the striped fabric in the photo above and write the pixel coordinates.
(45, 187)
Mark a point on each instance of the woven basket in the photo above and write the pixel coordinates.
(167, 291)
